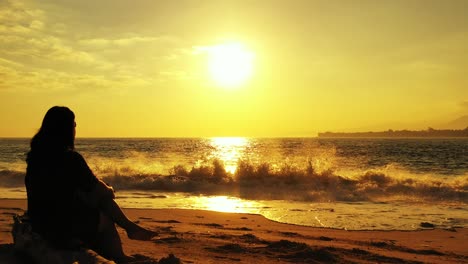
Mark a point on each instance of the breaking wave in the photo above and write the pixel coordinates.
(11, 178)
(267, 181)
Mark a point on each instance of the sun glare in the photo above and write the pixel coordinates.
(224, 204)
(229, 150)
(230, 64)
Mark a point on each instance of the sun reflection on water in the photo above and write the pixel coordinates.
(225, 204)
(229, 150)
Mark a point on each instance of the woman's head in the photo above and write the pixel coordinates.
(57, 131)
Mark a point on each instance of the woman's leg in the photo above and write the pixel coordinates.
(112, 210)
(102, 197)
(108, 243)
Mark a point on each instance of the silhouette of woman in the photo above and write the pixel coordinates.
(67, 204)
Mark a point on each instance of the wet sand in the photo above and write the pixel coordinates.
(196, 236)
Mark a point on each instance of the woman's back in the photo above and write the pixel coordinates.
(52, 181)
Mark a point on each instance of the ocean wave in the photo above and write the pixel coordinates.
(264, 181)
(267, 181)
(11, 178)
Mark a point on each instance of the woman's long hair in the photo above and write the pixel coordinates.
(57, 132)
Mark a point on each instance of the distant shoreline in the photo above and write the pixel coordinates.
(429, 133)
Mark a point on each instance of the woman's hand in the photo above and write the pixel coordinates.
(104, 191)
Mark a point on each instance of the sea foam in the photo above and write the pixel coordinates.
(267, 181)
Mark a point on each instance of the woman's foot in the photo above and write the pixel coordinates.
(139, 233)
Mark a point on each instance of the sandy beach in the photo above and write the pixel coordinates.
(196, 236)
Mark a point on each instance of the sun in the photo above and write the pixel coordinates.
(230, 64)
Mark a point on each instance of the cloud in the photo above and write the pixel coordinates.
(9, 63)
(38, 58)
(101, 42)
(177, 75)
(15, 29)
(36, 24)
(48, 51)
(97, 44)
(9, 73)
(464, 105)
(16, 12)
(16, 78)
(25, 37)
(40, 53)
(17, 19)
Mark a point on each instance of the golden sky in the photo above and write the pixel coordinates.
(140, 68)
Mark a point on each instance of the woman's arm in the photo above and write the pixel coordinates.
(97, 195)
(90, 189)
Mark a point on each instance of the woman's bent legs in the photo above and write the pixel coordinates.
(112, 210)
(108, 243)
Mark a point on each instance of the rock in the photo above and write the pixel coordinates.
(39, 251)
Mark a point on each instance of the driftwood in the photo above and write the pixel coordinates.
(34, 247)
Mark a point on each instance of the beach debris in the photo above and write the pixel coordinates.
(324, 238)
(428, 252)
(167, 221)
(287, 245)
(380, 244)
(426, 225)
(250, 238)
(301, 252)
(169, 240)
(289, 234)
(210, 225)
(233, 248)
(171, 259)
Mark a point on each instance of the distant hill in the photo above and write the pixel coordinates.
(430, 132)
(459, 123)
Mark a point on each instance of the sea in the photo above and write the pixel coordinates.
(343, 183)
